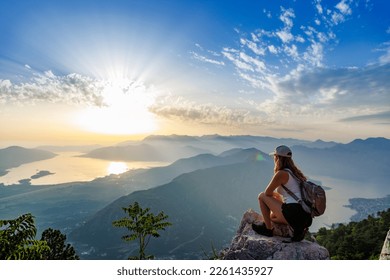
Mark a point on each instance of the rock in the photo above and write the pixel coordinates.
(248, 245)
(385, 253)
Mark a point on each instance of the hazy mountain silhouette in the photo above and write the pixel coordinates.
(360, 160)
(204, 195)
(204, 206)
(64, 206)
(14, 156)
(79, 148)
(161, 175)
(174, 147)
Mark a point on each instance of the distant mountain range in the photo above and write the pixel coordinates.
(173, 147)
(205, 191)
(204, 207)
(364, 160)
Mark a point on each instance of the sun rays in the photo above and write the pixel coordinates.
(124, 110)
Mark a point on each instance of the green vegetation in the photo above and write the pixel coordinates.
(357, 240)
(58, 249)
(17, 241)
(142, 225)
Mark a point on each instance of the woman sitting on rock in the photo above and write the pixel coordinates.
(276, 204)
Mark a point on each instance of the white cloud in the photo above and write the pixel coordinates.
(330, 91)
(318, 6)
(344, 8)
(292, 51)
(286, 17)
(292, 71)
(234, 57)
(205, 59)
(252, 46)
(70, 89)
(73, 88)
(178, 108)
(314, 54)
(285, 36)
(384, 58)
(272, 49)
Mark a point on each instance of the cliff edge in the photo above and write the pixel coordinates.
(248, 245)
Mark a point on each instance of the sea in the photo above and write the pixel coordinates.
(70, 167)
(338, 193)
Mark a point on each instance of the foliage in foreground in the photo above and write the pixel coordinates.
(357, 240)
(17, 241)
(141, 225)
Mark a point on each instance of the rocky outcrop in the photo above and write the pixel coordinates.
(248, 245)
(385, 253)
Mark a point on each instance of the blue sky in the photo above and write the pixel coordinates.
(98, 70)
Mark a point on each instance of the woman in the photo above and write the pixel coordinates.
(276, 204)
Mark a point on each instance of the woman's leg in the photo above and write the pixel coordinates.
(271, 209)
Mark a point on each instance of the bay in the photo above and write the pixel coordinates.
(337, 197)
(69, 167)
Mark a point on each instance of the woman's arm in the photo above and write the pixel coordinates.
(280, 178)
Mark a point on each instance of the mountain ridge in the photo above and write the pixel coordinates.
(14, 156)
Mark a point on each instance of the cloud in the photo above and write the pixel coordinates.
(382, 117)
(72, 89)
(266, 55)
(205, 59)
(327, 92)
(344, 8)
(178, 108)
(47, 87)
(385, 58)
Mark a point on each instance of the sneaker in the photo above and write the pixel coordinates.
(262, 229)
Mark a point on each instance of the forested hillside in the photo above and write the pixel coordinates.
(357, 240)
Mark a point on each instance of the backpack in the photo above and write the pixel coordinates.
(313, 196)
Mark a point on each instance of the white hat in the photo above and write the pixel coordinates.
(282, 151)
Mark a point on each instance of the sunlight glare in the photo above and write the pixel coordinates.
(124, 110)
(117, 168)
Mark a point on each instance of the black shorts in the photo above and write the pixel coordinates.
(296, 216)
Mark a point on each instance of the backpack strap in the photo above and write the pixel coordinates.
(293, 195)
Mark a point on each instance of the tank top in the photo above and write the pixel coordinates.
(293, 185)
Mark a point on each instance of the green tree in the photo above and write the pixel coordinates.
(356, 240)
(58, 250)
(17, 239)
(141, 225)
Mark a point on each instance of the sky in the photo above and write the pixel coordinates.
(99, 72)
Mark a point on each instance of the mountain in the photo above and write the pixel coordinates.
(81, 149)
(65, 206)
(14, 156)
(204, 207)
(360, 160)
(161, 175)
(174, 147)
(127, 153)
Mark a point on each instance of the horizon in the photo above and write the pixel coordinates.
(98, 72)
(34, 145)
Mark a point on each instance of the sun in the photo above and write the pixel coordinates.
(117, 168)
(124, 110)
